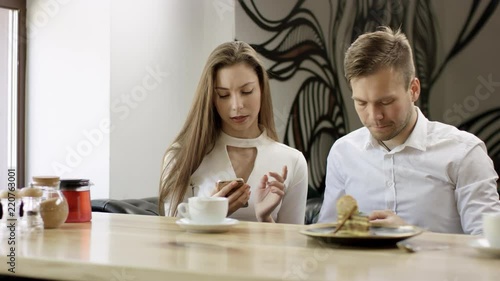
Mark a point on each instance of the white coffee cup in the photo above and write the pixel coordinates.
(204, 210)
(491, 229)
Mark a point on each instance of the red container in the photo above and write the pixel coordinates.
(77, 193)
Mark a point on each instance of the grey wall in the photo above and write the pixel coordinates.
(479, 61)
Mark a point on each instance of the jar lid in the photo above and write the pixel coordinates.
(31, 192)
(6, 194)
(74, 183)
(45, 180)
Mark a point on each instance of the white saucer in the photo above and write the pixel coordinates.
(484, 247)
(207, 228)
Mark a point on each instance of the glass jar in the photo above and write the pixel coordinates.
(11, 206)
(31, 221)
(54, 206)
(77, 192)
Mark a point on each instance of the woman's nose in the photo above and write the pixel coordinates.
(237, 102)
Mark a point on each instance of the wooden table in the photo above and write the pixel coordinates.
(118, 247)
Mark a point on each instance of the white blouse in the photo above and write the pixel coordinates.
(271, 157)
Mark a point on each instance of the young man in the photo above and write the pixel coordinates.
(401, 167)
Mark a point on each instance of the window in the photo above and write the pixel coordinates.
(12, 91)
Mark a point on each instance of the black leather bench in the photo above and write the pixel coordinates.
(149, 206)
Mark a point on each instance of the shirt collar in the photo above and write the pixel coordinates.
(417, 138)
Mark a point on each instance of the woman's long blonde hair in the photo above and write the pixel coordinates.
(203, 124)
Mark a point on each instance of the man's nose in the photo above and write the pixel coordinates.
(375, 112)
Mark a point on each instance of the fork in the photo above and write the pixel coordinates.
(415, 246)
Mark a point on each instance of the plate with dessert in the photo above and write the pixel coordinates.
(354, 229)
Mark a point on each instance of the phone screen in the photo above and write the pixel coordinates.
(222, 183)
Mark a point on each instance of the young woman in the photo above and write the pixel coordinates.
(230, 134)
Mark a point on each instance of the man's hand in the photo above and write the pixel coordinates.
(386, 218)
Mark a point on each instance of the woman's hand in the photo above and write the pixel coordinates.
(236, 198)
(269, 195)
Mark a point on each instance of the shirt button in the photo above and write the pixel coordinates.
(389, 183)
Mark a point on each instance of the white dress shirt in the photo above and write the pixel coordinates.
(271, 157)
(440, 179)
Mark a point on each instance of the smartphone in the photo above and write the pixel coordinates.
(222, 183)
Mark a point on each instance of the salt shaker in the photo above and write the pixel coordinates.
(31, 221)
(10, 212)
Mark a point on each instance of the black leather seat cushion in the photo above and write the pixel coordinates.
(149, 206)
(145, 206)
(313, 206)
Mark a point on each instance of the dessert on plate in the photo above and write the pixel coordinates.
(349, 221)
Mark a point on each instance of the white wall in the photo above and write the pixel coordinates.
(155, 68)
(68, 81)
(152, 55)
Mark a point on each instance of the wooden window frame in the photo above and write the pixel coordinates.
(20, 6)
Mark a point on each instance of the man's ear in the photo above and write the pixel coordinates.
(415, 89)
